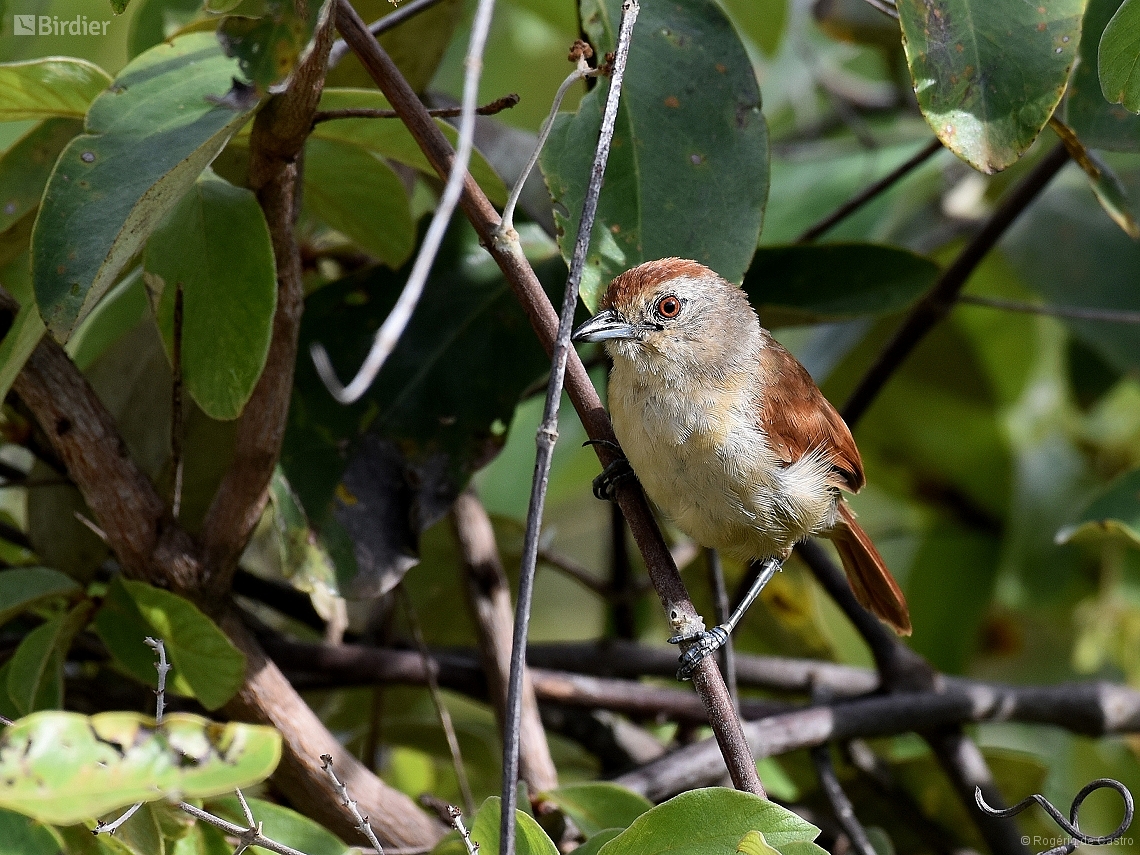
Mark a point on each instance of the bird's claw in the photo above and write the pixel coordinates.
(701, 644)
(605, 485)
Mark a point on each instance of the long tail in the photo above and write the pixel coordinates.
(874, 586)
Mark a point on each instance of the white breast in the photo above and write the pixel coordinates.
(703, 461)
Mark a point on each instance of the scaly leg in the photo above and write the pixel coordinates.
(708, 641)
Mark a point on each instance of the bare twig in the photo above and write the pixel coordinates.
(247, 837)
(394, 325)
(887, 7)
(870, 193)
(722, 609)
(246, 812)
(457, 823)
(1080, 313)
(938, 302)
(437, 699)
(362, 824)
(111, 827)
(176, 430)
(163, 668)
(392, 19)
(496, 106)
(840, 804)
(4, 720)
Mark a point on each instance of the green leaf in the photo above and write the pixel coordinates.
(28, 327)
(148, 138)
(436, 413)
(62, 767)
(205, 663)
(1098, 123)
(25, 167)
(594, 843)
(1112, 514)
(22, 588)
(35, 678)
(688, 170)
(268, 47)
(388, 138)
(805, 284)
(357, 193)
(282, 824)
(1119, 57)
(753, 843)
(215, 243)
(598, 805)
(22, 835)
(1104, 182)
(709, 820)
(530, 839)
(43, 88)
(989, 73)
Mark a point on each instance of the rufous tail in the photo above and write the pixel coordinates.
(874, 586)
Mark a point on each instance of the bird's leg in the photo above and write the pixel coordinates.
(708, 641)
(605, 485)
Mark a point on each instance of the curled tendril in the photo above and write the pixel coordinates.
(1070, 825)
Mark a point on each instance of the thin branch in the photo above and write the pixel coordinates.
(1111, 316)
(667, 582)
(723, 610)
(580, 73)
(163, 668)
(887, 7)
(457, 823)
(397, 320)
(362, 824)
(245, 808)
(392, 19)
(246, 836)
(840, 805)
(176, 427)
(112, 827)
(938, 302)
(860, 199)
(547, 434)
(437, 700)
(496, 106)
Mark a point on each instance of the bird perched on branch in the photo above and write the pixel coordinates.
(728, 434)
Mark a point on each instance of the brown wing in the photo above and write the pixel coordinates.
(797, 418)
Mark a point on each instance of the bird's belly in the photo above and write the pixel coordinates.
(714, 476)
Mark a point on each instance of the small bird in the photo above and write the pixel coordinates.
(729, 435)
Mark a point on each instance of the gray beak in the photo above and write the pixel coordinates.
(607, 325)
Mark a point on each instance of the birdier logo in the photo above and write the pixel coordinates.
(53, 25)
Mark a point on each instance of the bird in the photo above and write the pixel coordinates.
(728, 434)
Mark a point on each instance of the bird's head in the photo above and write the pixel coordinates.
(673, 314)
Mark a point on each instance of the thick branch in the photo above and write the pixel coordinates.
(527, 289)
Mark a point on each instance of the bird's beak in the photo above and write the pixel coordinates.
(607, 325)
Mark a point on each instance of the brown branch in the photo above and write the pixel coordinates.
(276, 143)
(489, 598)
(1079, 313)
(527, 289)
(496, 106)
(938, 302)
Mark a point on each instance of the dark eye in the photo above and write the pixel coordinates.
(669, 307)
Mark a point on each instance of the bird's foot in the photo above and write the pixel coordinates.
(701, 644)
(605, 485)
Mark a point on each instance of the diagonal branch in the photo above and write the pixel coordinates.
(527, 289)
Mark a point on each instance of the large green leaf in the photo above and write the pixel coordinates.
(25, 167)
(598, 805)
(388, 138)
(269, 40)
(1113, 513)
(988, 73)
(148, 138)
(357, 193)
(1119, 57)
(154, 21)
(801, 284)
(23, 587)
(216, 245)
(688, 171)
(1098, 123)
(62, 767)
(709, 820)
(205, 663)
(437, 412)
(35, 674)
(44, 88)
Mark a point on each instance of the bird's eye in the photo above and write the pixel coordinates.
(669, 307)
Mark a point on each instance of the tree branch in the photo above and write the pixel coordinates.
(527, 289)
